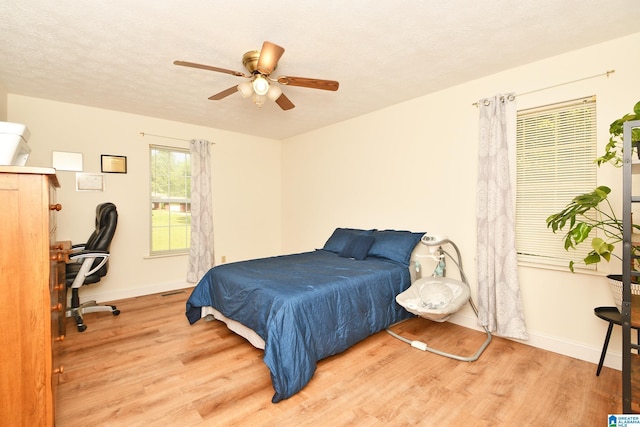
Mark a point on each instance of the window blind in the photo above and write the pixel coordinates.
(556, 149)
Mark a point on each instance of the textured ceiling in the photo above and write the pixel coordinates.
(119, 54)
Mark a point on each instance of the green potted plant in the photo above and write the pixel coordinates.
(575, 216)
(613, 150)
(593, 211)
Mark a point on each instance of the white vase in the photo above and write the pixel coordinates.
(615, 286)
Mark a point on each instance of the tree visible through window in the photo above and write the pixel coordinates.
(170, 200)
(556, 149)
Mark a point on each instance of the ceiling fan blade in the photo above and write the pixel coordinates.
(210, 68)
(310, 83)
(284, 102)
(224, 93)
(269, 56)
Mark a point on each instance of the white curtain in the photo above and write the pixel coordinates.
(499, 299)
(201, 255)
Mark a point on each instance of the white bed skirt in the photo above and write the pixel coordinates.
(210, 313)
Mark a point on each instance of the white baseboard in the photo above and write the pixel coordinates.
(572, 349)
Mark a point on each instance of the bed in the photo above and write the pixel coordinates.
(304, 307)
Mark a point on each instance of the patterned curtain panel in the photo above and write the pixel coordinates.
(499, 300)
(201, 254)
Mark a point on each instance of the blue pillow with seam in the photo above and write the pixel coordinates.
(338, 240)
(357, 246)
(394, 245)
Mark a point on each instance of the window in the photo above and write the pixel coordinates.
(170, 200)
(556, 149)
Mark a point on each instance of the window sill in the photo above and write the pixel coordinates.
(167, 255)
(565, 269)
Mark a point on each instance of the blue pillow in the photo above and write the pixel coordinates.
(357, 246)
(394, 245)
(340, 237)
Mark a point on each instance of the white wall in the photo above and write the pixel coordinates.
(410, 166)
(413, 166)
(246, 189)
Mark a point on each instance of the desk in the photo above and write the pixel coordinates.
(613, 316)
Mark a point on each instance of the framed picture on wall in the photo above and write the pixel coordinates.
(113, 164)
(89, 182)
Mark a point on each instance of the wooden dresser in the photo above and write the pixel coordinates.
(32, 298)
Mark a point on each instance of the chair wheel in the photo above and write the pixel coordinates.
(82, 328)
(115, 312)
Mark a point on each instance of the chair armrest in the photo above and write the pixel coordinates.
(88, 253)
(81, 256)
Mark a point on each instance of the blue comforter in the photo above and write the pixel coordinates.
(305, 306)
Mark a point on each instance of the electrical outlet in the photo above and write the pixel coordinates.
(224, 259)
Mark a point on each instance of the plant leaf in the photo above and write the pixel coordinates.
(592, 258)
(581, 232)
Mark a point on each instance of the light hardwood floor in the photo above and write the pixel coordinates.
(149, 367)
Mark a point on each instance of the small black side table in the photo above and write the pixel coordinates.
(613, 316)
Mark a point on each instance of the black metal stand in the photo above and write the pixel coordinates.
(613, 316)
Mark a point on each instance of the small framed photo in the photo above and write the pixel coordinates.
(113, 164)
(89, 182)
(66, 161)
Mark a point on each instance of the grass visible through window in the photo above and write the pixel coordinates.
(171, 230)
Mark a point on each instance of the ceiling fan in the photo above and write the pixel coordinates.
(260, 64)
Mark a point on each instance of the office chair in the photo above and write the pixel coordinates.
(89, 263)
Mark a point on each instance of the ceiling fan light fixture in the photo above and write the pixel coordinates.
(274, 92)
(260, 85)
(261, 64)
(259, 99)
(245, 89)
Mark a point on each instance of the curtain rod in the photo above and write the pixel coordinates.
(607, 73)
(166, 137)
